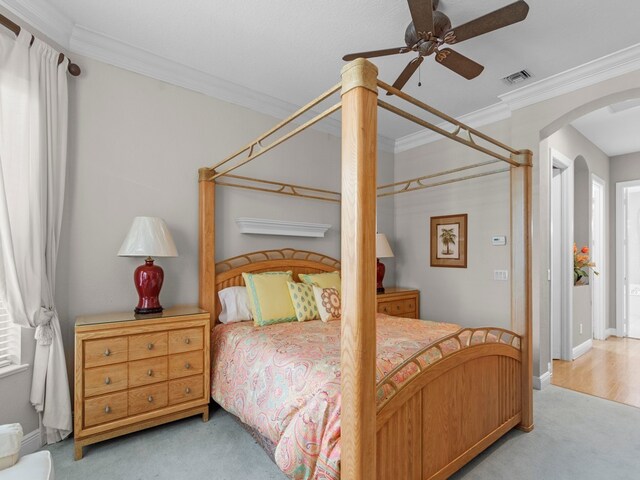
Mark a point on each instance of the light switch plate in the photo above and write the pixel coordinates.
(501, 275)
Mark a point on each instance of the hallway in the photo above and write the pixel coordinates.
(609, 370)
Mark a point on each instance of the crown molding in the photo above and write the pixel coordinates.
(604, 68)
(78, 39)
(109, 50)
(44, 17)
(484, 116)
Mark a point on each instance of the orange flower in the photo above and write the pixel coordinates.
(585, 250)
(575, 248)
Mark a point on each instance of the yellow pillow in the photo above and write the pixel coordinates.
(328, 303)
(269, 297)
(322, 280)
(304, 303)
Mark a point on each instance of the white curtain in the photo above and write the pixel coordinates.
(33, 155)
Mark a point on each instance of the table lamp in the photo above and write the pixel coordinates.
(148, 237)
(383, 250)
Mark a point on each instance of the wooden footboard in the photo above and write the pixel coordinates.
(447, 403)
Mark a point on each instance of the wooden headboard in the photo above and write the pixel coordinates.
(229, 272)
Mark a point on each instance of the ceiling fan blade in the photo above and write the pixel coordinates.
(376, 53)
(514, 13)
(406, 74)
(459, 63)
(421, 15)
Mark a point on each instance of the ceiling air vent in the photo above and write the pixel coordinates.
(517, 77)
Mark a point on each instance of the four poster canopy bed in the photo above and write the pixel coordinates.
(369, 396)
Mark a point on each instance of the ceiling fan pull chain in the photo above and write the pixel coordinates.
(420, 76)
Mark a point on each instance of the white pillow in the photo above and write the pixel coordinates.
(235, 305)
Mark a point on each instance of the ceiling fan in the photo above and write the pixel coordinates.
(430, 29)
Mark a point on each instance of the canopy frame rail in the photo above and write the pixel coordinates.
(281, 188)
(418, 185)
(251, 147)
(460, 127)
(302, 191)
(453, 136)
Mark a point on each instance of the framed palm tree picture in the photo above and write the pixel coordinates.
(449, 241)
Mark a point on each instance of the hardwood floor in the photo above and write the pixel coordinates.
(609, 370)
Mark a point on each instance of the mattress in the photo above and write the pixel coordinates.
(283, 381)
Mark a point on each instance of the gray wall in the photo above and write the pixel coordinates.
(15, 389)
(624, 168)
(135, 147)
(588, 159)
(468, 296)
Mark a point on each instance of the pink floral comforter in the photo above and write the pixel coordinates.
(284, 381)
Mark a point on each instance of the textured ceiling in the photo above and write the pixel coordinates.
(613, 129)
(292, 50)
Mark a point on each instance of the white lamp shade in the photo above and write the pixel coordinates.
(383, 249)
(148, 237)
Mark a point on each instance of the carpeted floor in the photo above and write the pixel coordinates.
(576, 437)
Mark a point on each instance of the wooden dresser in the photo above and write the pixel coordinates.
(399, 302)
(138, 371)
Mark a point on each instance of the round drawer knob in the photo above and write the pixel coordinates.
(150, 399)
(149, 346)
(187, 365)
(187, 341)
(150, 373)
(107, 352)
(107, 381)
(107, 409)
(187, 390)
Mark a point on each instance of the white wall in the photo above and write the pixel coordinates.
(624, 168)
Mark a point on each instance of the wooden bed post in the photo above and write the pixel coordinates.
(521, 280)
(206, 241)
(358, 344)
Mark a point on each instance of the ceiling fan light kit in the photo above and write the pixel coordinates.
(430, 30)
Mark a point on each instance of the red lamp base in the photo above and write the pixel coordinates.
(148, 280)
(380, 272)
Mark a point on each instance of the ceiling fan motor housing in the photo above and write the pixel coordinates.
(441, 25)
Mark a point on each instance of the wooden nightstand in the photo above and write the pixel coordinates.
(399, 302)
(138, 371)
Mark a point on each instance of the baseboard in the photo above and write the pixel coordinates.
(582, 348)
(610, 332)
(31, 442)
(542, 382)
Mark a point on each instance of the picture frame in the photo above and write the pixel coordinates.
(449, 241)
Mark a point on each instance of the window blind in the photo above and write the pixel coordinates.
(8, 338)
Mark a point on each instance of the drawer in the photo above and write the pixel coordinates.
(186, 389)
(150, 370)
(185, 364)
(145, 399)
(105, 409)
(397, 307)
(105, 351)
(147, 345)
(101, 380)
(410, 305)
(384, 307)
(186, 340)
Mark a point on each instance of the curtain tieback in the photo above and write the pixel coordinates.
(44, 332)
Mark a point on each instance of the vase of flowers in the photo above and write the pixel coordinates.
(581, 265)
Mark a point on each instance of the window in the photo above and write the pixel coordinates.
(9, 340)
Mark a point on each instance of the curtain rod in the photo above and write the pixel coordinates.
(15, 28)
